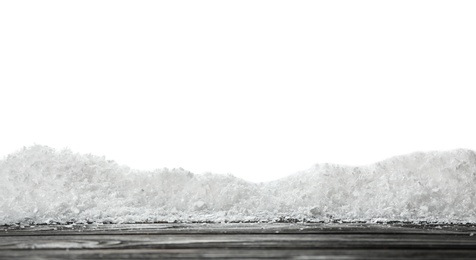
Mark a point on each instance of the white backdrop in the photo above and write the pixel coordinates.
(259, 89)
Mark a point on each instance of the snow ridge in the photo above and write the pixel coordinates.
(41, 185)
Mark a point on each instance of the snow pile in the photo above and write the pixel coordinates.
(436, 186)
(41, 185)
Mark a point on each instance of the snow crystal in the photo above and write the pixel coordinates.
(41, 185)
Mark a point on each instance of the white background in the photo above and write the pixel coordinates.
(259, 89)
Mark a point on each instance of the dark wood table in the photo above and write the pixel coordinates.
(238, 241)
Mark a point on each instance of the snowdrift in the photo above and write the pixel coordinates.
(41, 185)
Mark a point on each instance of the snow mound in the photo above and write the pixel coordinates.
(41, 185)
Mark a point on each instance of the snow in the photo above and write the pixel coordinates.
(42, 185)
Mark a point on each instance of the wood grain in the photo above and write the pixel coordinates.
(238, 241)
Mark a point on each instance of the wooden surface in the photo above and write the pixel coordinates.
(238, 241)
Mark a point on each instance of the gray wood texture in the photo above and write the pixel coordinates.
(239, 241)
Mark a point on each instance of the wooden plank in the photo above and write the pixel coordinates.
(256, 240)
(239, 254)
(240, 228)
